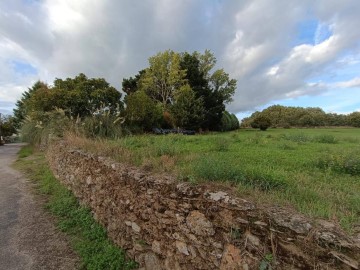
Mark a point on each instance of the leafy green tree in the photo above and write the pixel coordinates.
(187, 110)
(234, 122)
(81, 95)
(262, 122)
(354, 119)
(215, 88)
(229, 122)
(7, 125)
(163, 77)
(21, 107)
(142, 111)
(131, 85)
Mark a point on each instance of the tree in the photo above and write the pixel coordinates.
(229, 121)
(354, 119)
(142, 111)
(262, 122)
(215, 88)
(7, 125)
(21, 108)
(81, 95)
(131, 85)
(163, 77)
(187, 110)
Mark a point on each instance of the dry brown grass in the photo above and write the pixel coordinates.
(101, 147)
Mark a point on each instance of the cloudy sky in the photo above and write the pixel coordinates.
(290, 52)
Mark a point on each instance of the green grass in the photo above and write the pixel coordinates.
(25, 151)
(88, 237)
(314, 170)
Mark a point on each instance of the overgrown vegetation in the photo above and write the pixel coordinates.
(88, 238)
(302, 168)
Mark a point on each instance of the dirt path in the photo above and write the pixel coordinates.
(28, 236)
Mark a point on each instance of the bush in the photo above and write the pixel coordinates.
(261, 122)
(348, 163)
(40, 127)
(326, 139)
(103, 126)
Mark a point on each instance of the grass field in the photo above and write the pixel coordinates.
(317, 171)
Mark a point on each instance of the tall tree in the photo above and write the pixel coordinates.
(81, 95)
(214, 87)
(163, 77)
(21, 108)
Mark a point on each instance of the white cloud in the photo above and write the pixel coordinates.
(355, 82)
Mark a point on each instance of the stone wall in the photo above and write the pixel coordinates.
(164, 224)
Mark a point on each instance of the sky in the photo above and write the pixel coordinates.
(288, 52)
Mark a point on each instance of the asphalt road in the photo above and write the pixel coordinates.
(28, 237)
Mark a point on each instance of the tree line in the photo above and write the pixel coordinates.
(285, 117)
(176, 90)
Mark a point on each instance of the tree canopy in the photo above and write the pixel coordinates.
(283, 116)
(207, 90)
(78, 96)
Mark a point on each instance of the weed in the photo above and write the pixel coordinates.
(235, 233)
(348, 163)
(325, 138)
(164, 147)
(265, 264)
(286, 146)
(256, 139)
(222, 144)
(297, 137)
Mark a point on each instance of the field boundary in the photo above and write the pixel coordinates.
(165, 224)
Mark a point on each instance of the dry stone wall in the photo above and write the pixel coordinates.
(164, 224)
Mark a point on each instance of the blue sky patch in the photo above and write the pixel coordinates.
(306, 32)
(23, 68)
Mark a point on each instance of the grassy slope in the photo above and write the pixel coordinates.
(315, 170)
(88, 237)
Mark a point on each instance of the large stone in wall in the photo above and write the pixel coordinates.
(199, 224)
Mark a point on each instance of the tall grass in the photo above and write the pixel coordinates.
(212, 169)
(348, 163)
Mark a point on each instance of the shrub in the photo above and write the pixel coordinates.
(103, 125)
(326, 139)
(348, 163)
(261, 122)
(39, 127)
